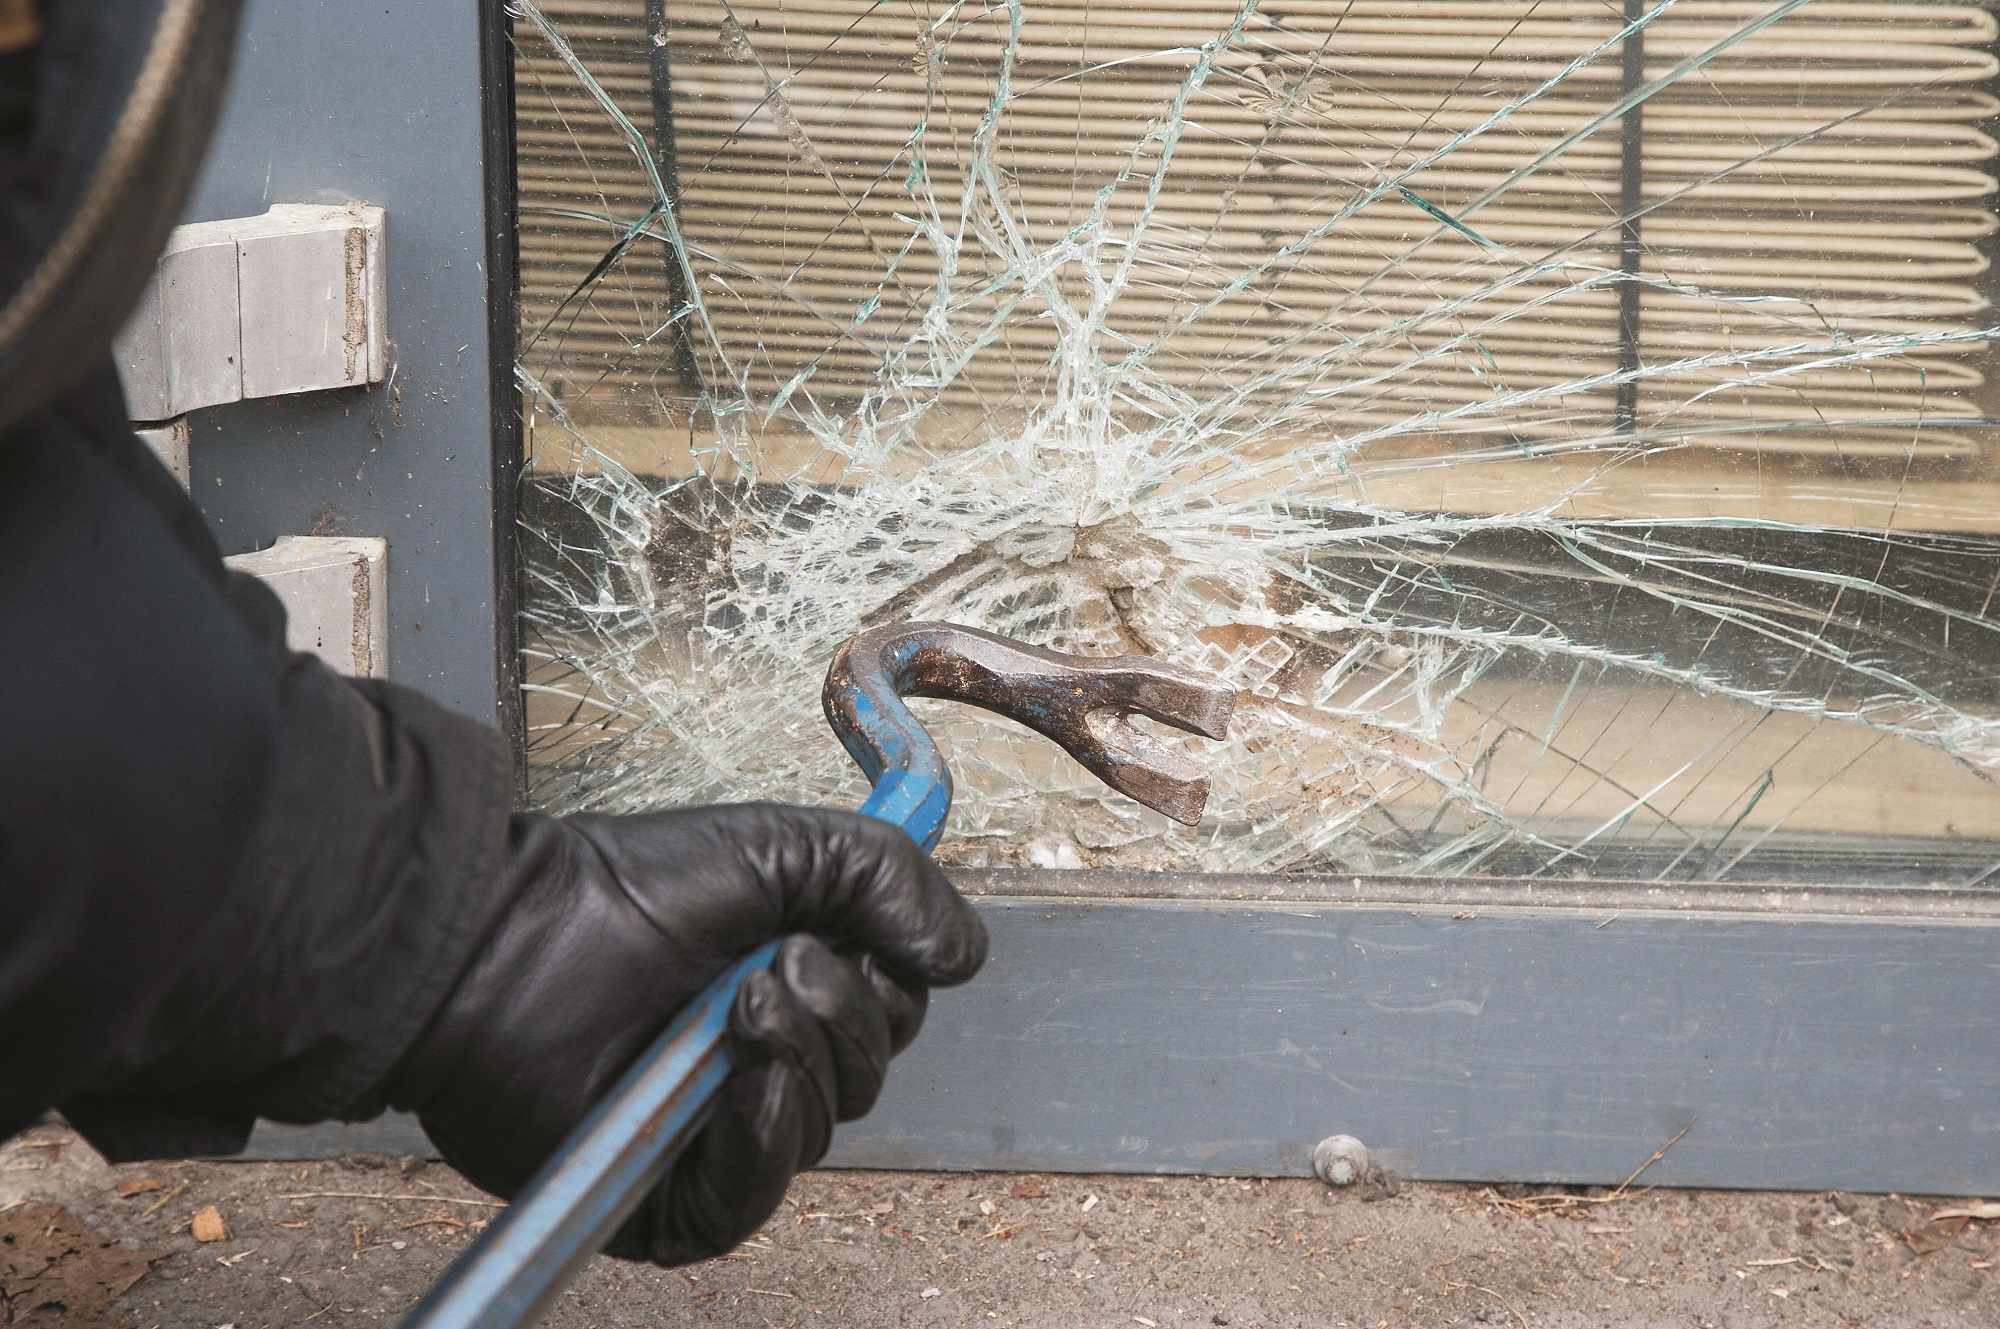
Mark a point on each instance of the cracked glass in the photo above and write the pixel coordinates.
(1568, 425)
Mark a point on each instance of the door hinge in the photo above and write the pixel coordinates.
(290, 301)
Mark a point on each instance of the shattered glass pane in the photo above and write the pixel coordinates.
(1569, 425)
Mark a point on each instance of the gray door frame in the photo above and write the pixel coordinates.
(406, 106)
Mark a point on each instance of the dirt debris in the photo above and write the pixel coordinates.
(344, 1242)
(54, 1271)
(207, 1225)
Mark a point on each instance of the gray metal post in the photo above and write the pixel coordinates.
(403, 105)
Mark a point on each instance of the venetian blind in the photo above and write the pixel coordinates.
(1357, 234)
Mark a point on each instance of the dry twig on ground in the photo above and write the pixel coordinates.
(1543, 1204)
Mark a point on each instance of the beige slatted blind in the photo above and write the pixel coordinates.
(1832, 170)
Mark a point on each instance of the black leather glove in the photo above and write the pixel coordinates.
(618, 923)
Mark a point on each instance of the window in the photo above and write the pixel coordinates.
(1568, 424)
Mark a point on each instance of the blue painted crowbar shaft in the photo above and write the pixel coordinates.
(623, 1149)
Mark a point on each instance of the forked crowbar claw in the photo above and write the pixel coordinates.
(620, 1152)
(1080, 702)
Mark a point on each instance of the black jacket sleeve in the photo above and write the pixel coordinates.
(142, 721)
(228, 876)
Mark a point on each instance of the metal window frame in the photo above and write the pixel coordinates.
(1831, 1037)
(1808, 1038)
(1465, 1029)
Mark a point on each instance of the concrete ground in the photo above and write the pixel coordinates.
(358, 1240)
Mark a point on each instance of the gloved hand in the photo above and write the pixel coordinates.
(619, 922)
